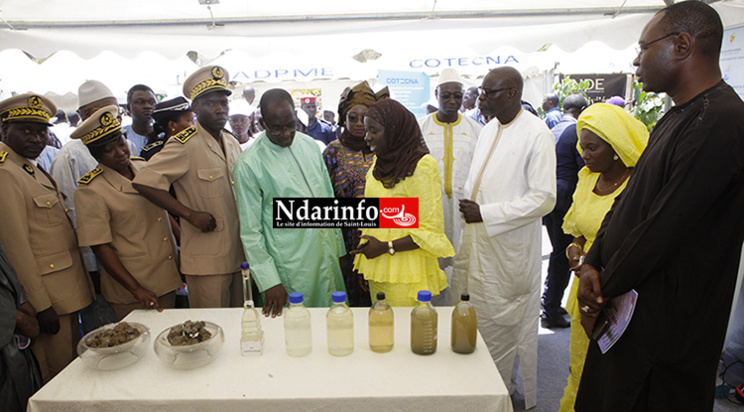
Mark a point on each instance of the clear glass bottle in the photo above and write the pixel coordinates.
(464, 326)
(381, 319)
(424, 325)
(298, 337)
(251, 335)
(340, 326)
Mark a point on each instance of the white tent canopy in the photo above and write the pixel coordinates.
(174, 27)
(482, 35)
(146, 41)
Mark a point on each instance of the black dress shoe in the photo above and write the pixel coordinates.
(554, 322)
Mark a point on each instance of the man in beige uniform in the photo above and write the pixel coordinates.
(198, 162)
(38, 234)
(138, 260)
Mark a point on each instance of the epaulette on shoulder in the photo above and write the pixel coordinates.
(186, 134)
(3, 155)
(152, 145)
(230, 133)
(90, 176)
(137, 158)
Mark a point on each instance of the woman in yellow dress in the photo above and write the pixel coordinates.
(348, 160)
(400, 262)
(610, 142)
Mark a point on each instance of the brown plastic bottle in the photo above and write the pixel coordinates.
(424, 325)
(464, 326)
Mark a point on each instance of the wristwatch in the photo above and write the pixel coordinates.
(391, 249)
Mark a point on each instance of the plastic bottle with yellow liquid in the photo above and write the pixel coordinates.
(424, 325)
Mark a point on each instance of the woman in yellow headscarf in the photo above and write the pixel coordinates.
(610, 142)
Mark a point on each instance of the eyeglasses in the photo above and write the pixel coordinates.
(641, 47)
(289, 128)
(488, 92)
(353, 118)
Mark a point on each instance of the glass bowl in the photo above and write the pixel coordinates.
(190, 356)
(114, 357)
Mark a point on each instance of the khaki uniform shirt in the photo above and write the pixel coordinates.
(39, 237)
(111, 211)
(201, 175)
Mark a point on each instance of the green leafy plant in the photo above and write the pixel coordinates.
(648, 107)
(566, 87)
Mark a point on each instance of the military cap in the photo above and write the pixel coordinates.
(92, 91)
(205, 80)
(99, 127)
(308, 99)
(169, 108)
(27, 107)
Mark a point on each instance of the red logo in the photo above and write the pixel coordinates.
(399, 213)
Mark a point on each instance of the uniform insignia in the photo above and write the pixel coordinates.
(34, 102)
(28, 169)
(152, 146)
(90, 175)
(185, 134)
(3, 155)
(136, 158)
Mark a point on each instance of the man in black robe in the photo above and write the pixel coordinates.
(675, 235)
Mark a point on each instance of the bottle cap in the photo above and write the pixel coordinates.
(380, 295)
(424, 296)
(465, 297)
(338, 297)
(296, 297)
(244, 266)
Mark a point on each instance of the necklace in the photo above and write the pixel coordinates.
(622, 178)
(611, 186)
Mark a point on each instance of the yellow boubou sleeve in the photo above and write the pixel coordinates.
(428, 189)
(570, 223)
(417, 267)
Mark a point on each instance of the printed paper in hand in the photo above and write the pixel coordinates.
(618, 315)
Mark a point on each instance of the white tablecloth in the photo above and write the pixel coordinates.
(365, 380)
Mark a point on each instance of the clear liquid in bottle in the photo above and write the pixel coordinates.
(251, 334)
(340, 326)
(298, 338)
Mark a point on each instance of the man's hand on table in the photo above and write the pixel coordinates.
(274, 300)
